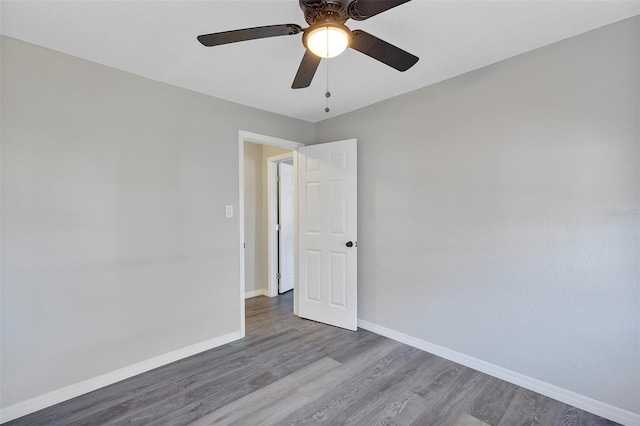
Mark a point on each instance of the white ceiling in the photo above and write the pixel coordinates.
(157, 39)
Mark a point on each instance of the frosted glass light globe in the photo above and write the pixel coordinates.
(327, 41)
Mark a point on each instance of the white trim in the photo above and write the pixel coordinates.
(296, 221)
(43, 401)
(272, 215)
(268, 140)
(568, 397)
(244, 136)
(241, 226)
(255, 293)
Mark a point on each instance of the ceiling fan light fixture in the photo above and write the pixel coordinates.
(327, 39)
(327, 35)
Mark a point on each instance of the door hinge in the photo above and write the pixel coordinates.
(277, 226)
(278, 276)
(278, 178)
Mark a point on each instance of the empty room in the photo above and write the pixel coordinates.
(339, 212)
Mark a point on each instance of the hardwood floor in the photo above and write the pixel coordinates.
(289, 371)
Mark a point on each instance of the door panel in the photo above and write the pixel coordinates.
(338, 285)
(314, 276)
(313, 207)
(327, 177)
(338, 208)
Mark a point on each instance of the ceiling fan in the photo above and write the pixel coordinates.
(327, 36)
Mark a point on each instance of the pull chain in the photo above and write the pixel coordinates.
(327, 94)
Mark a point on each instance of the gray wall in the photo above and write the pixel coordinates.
(498, 213)
(115, 247)
(255, 260)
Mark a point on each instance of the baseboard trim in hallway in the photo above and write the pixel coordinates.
(60, 395)
(256, 293)
(594, 406)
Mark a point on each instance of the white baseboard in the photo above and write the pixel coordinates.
(591, 405)
(43, 401)
(254, 293)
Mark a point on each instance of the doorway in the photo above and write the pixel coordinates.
(262, 250)
(280, 223)
(325, 255)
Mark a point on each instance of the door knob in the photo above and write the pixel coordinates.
(349, 244)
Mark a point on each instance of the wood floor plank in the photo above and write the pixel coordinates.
(298, 358)
(441, 375)
(193, 380)
(528, 408)
(330, 408)
(288, 370)
(365, 339)
(282, 392)
(401, 402)
(367, 359)
(491, 404)
(453, 400)
(467, 420)
(386, 392)
(333, 379)
(195, 402)
(403, 411)
(106, 398)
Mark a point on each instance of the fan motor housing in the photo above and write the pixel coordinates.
(320, 10)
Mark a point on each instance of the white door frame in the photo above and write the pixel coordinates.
(272, 212)
(244, 136)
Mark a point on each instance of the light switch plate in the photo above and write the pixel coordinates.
(228, 211)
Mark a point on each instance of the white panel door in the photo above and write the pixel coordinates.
(285, 222)
(327, 250)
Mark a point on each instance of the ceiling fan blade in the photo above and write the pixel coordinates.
(306, 71)
(382, 51)
(365, 9)
(225, 37)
